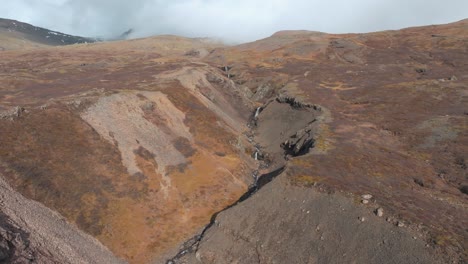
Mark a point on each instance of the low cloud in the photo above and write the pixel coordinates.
(235, 21)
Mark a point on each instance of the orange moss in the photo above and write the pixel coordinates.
(305, 180)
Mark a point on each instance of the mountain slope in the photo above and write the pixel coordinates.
(394, 127)
(141, 143)
(137, 149)
(18, 35)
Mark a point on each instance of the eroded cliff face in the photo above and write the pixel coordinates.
(182, 150)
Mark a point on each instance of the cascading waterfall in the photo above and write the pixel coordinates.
(257, 112)
(226, 69)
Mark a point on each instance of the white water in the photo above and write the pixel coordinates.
(257, 112)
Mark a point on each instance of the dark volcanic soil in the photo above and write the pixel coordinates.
(300, 225)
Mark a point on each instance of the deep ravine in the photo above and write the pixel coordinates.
(260, 181)
(192, 244)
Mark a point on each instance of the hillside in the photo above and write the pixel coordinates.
(303, 147)
(18, 35)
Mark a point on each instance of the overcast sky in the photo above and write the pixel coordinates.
(234, 20)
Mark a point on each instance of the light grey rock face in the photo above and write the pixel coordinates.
(300, 142)
(262, 92)
(14, 243)
(379, 212)
(32, 233)
(13, 113)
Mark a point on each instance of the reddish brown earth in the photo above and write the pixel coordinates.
(139, 143)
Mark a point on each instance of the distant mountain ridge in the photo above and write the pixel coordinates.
(12, 29)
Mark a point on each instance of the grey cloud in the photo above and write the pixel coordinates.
(241, 20)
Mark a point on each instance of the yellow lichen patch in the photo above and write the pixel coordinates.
(125, 230)
(302, 162)
(418, 85)
(305, 180)
(292, 89)
(340, 86)
(323, 142)
(204, 174)
(444, 240)
(420, 155)
(149, 169)
(377, 174)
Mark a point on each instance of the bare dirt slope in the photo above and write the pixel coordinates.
(140, 143)
(300, 225)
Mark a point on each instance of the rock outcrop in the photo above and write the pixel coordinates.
(299, 143)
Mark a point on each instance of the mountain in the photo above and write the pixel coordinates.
(126, 34)
(18, 35)
(303, 147)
